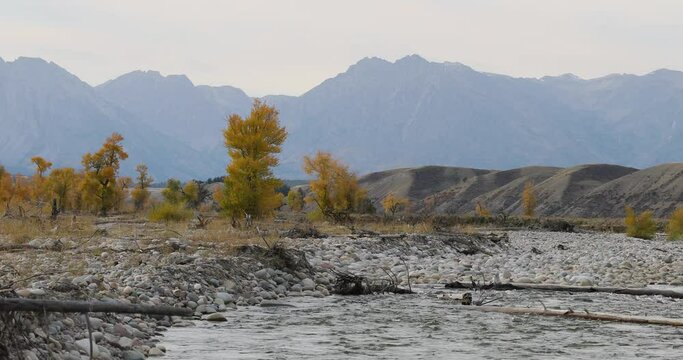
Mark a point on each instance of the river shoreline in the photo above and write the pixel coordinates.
(176, 272)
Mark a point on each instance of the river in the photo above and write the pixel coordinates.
(423, 327)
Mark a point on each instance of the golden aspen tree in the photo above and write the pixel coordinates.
(481, 210)
(529, 200)
(393, 203)
(253, 143)
(674, 228)
(334, 190)
(42, 165)
(5, 187)
(140, 193)
(295, 199)
(40, 193)
(191, 194)
(640, 226)
(173, 193)
(62, 182)
(100, 169)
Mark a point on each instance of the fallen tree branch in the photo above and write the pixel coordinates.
(551, 287)
(65, 306)
(350, 284)
(585, 315)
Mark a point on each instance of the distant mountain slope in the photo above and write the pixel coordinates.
(571, 184)
(176, 107)
(595, 190)
(377, 115)
(416, 183)
(498, 191)
(658, 188)
(46, 111)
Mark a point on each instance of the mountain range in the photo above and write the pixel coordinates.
(376, 115)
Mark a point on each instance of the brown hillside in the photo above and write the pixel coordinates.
(557, 193)
(659, 188)
(492, 189)
(416, 183)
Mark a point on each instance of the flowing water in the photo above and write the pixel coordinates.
(423, 327)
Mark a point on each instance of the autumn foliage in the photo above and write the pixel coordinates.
(529, 200)
(393, 203)
(334, 190)
(640, 225)
(674, 229)
(295, 199)
(253, 143)
(100, 187)
(481, 210)
(140, 193)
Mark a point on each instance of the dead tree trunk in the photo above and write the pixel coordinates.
(585, 315)
(551, 287)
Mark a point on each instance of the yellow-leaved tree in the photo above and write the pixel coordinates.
(640, 226)
(62, 183)
(481, 210)
(529, 200)
(100, 187)
(334, 190)
(675, 227)
(140, 193)
(295, 199)
(393, 203)
(253, 143)
(40, 192)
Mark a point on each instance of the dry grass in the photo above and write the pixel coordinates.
(23, 230)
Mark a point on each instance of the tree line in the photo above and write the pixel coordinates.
(250, 189)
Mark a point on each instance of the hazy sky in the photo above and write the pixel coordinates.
(287, 47)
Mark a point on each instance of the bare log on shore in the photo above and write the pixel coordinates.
(584, 314)
(550, 287)
(17, 304)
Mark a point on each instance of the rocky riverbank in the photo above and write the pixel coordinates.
(177, 272)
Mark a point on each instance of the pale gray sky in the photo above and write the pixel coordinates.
(287, 47)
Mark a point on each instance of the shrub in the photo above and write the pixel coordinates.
(640, 226)
(169, 212)
(675, 227)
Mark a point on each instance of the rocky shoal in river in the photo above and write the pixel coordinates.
(175, 272)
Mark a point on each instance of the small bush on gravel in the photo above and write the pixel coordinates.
(675, 228)
(640, 226)
(167, 211)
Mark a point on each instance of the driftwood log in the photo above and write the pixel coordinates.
(584, 314)
(350, 284)
(16, 304)
(583, 289)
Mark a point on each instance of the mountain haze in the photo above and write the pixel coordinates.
(377, 115)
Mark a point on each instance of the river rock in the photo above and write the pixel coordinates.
(155, 352)
(307, 284)
(215, 317)
(133, 355)
(226, 297)
(84, 345)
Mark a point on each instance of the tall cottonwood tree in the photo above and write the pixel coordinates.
(393, 203)
(100, 186)
(62, 183)
(40, 193)
(140, 193)
(334, 190)
(253, 143)
(529, 200)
